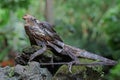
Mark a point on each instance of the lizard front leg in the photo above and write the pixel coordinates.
(39, 52)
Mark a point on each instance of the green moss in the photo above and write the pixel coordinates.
(11, 72)
(31, 49)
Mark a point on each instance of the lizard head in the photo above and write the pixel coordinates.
(29, 20)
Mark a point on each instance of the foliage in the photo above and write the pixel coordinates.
(112, 29)
(114, 73)
(9, 37)
(14, 4)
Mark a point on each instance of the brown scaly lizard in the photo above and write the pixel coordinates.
(43, 34)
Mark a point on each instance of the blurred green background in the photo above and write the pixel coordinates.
(93, 25)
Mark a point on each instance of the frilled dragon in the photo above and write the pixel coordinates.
(43, 34)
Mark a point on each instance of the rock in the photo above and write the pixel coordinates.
(80, 72)
(46, 57)
(32, 71)
(25, 70)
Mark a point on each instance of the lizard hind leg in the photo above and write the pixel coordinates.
(74, 61)
(55, 47)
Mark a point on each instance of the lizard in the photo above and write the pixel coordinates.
(43, 34)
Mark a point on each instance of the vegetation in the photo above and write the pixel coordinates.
(92, 25)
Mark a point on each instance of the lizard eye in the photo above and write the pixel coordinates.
(32, 19)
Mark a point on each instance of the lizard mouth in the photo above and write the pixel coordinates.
(25, 17)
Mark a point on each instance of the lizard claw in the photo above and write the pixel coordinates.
(70, 65)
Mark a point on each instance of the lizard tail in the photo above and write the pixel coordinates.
(85, 54)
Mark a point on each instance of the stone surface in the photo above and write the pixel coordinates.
(78, 73)
(46, 57)
(32, 71)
